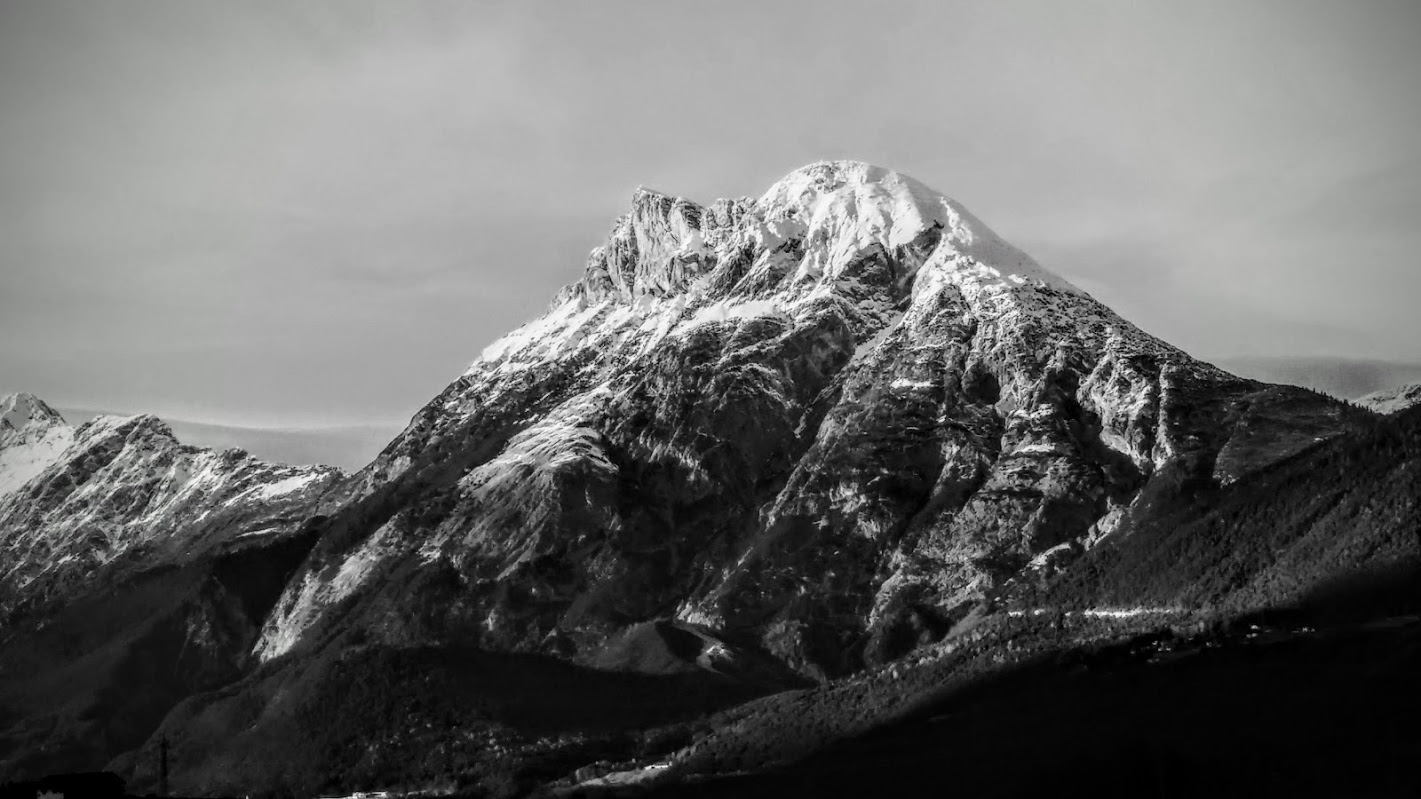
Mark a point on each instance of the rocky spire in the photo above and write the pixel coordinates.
(24, 417)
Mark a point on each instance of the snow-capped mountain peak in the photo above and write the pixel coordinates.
(1392, 400)
(25, 416)
(850, 375)
(851, 205)
(32, 437)
(832, 211)
(75, 498)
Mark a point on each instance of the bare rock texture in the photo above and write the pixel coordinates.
(756, 443)
(829, 421)
(122, 493)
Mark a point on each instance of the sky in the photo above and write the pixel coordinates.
(266, 213)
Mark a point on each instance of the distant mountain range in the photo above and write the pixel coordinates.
(770, 475)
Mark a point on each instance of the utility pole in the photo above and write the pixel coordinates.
(163, 766)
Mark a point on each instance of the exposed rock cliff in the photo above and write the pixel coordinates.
(122, 493)
(830, 420)
(756, 441)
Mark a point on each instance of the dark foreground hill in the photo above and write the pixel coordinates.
(1328, 711)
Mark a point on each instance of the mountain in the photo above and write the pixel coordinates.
(133, 567)
(1304, 665)
(119, 489)
(811, 420)
(758, 445)
(32, 436)
(1392, 400)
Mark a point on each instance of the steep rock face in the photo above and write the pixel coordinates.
(123, 493)
(1392, 400)
(828, 421)
(92, 677)
(32, 436)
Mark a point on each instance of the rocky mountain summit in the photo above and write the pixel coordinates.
(1392, 400)
(32, 436)
(831, 421)
(122, 491)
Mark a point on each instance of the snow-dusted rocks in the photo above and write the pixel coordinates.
(122, 491)
(1392, 400)
(23, 416)
(32, 436)
(832, 419)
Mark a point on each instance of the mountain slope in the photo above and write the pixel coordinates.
(1392, 400)
(32, 436)
(1346, 508)
(808, 420)
(119, 491)
(136, 571)
(1295, 567)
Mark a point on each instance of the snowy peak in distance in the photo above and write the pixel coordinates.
(851, 204)
(865, 240)
(1392, 400)
(24, 416)
(34, 437)
(74, 499)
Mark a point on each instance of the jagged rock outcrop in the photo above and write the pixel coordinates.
(829, 421)
(755, 442)
(122, 494)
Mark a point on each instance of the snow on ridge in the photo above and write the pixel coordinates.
(868, 204)
(106, 423)
(1392, 400)
(288, 485)
(23, 462)
(912, 384)
(33, 437)
(22, 413)
(1127, 613)
(558, 326)
(726, 310)
(1101, 613)
(838, 209)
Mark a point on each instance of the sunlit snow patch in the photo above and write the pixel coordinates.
(21, 463)
(288, 485)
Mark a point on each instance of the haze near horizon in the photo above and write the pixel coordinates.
(264, 215)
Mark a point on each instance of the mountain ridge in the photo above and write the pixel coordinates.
(1392, 400)
(807, 437)
(75, 499)
(793, 320)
